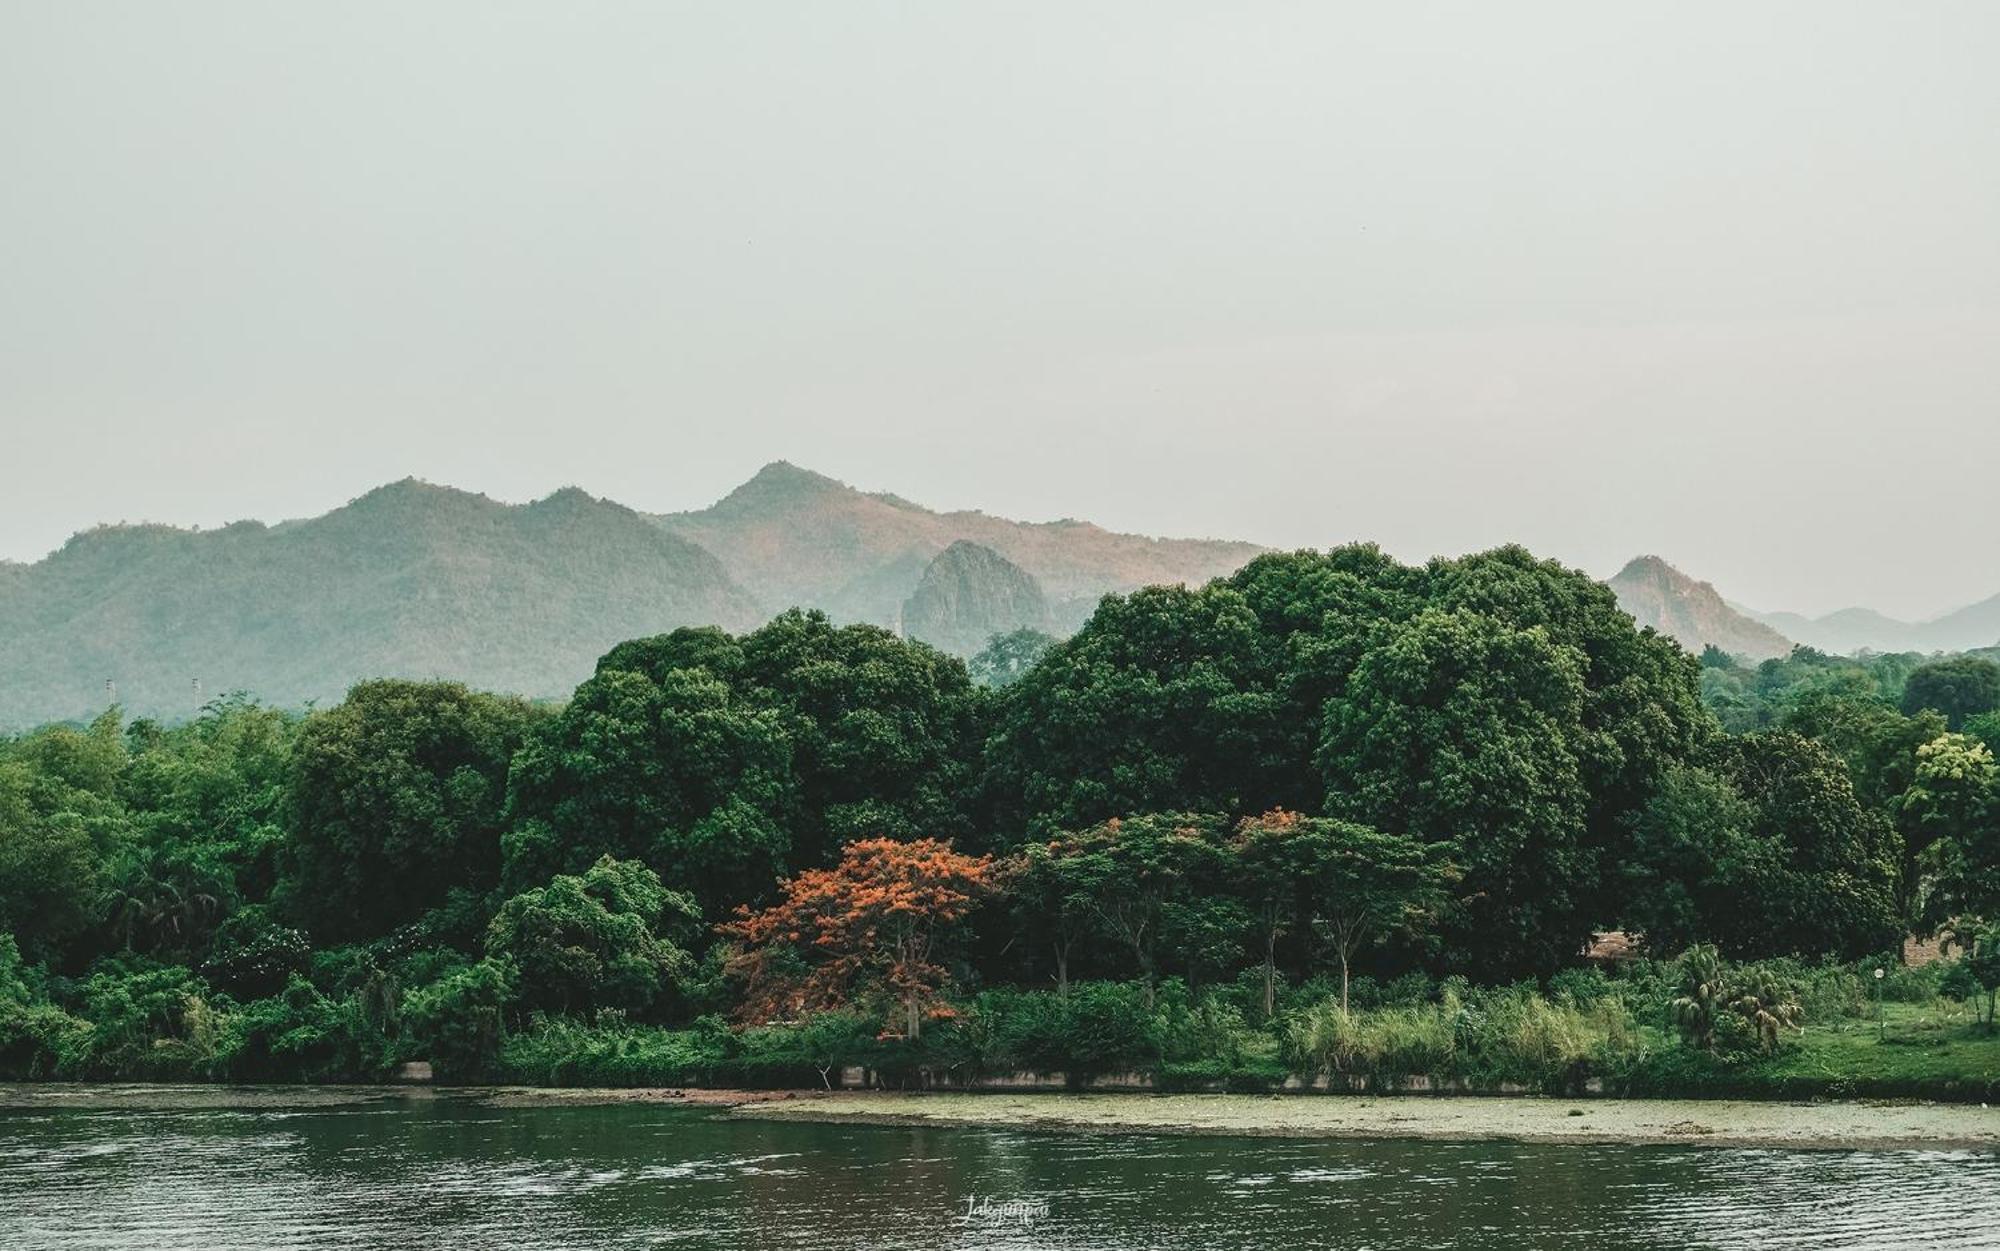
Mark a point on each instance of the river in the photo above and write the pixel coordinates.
(467, 1174)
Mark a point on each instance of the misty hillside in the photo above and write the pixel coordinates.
(791, 536)
(408, 580)
(1661, 596)
(969, 594)
(426, 581)
(1864, 629)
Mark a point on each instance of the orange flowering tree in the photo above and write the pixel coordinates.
(869, 925)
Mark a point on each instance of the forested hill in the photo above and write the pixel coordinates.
(409, 580)
(797, 538)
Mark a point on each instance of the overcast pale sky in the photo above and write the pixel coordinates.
(1716, 281)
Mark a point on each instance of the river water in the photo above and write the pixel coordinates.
(468, 1175)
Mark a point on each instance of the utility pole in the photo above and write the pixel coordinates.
(197, 696)
(110, 693)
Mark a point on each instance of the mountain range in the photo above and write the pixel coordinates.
(418, 580)
(791, 536)
(1694, 612)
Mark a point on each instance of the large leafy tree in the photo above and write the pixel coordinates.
(872, 925)
(1877, 742)
(61, 822)
(1958, 687)
(604, 939)
(1468, 734)
(207, 802)
(1762, 850)
(1350, 884)
(877, 736)
(1052, 890)
(1165, 701)
(1299, 682)
(885, 733)
(1143, 878)
(1699, 868)
(671, 768)
(1827, 883)
(397, 797)
(1953, 809)
(50, 868)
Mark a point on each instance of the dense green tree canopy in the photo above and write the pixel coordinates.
(397, 796)
(725, 762)
(1499, 704)
(1952, 811)
(1164, 701)
(1468, 734)
(677, 771)
(1480, 762)
(601, 940)
(1007, 656)
(1347, 885)
(1957, 686)
(1830, 881)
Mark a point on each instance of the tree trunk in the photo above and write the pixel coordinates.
(1270, 972)
(1343, 981)
(1062, 970)
(914, 1019)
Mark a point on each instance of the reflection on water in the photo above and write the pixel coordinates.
(464, 1175)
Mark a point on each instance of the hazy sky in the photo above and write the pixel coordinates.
(1716, 281)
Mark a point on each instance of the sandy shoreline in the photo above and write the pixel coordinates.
(1684, 1122)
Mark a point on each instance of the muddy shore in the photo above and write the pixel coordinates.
(1833, 1126)
(1720, 1123)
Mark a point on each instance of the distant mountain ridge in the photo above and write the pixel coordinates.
(408, 580)
(1858, 629)
(1661, 596)
(1692, 612)
(792, 536)
(416, 580)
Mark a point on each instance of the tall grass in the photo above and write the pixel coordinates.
(1513, 1034)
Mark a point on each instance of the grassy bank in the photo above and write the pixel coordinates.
(1584, 1032)
(1581, 1031)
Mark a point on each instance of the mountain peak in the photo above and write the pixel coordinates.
(968, 594)
(412, 493)
(1650, 567)
(1690, 611)
(781, 486)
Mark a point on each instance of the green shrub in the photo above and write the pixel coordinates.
(458, 1021)
(1101, 1027)
(559, 1051)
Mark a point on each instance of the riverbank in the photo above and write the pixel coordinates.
(1716, 1123)
(183, 1097)
(1881, 1126)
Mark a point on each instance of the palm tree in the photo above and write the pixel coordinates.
(1697, 1008)
(1767, 1003)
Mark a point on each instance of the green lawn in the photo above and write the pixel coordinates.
(1919, 1046)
